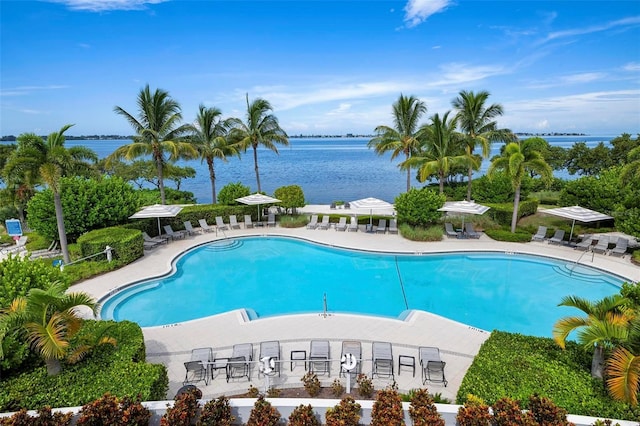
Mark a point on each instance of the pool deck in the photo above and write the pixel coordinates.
(171, 345)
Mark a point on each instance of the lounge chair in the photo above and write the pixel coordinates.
(220, 224)
(332, 206)
(448, 228)
(382, 226)
(238, 365)
(602, 246)
(342, 224)
(51, 251)
(325, 223)
(271, 349)
(347, 205)
(470, 231)
(247, 221)
(175, 235)
(354, 348)
(393, 226)
(585, 244)
(382, 359)
(198, 367)
(18, 247)
(540, 235)
(233, 222)
(353, 226)
(205, 226)
(319, 354)
(557, 238)
(621, 247)
(190, 229)
(271, 219)
(160, 239)
(313, 223)
(432, 366)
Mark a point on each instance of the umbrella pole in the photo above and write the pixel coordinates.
(159, 231)
(571, 234)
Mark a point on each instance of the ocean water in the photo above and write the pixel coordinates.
(327, 169)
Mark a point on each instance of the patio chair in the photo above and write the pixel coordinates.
(160, 239)
(271, 219)
(393, 226)
(325, 223)
(347, 205)
(313, 223)
(557, 238)
(382, 359)
(585, 244)
(540, 235)
(198, 367)
(319, 354)
(431, 365)
(51, 251)
(353, 226)
(175, 235)
(220, 224)
(621, 247)
(448, 228)
(271, 349)
(470, 231)
(238, 364)
(602, 246)
(18, 247)
(382, 226)
(332, 206)
(205, 226)
(190, 229)
(354, 348)
(342, 224)
(247, 221)
(233, 222)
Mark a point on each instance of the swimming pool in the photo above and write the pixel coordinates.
(278, 275)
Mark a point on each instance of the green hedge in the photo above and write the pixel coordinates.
(517, 366)
(507, 235)
(127, 244)
(120, 371)
(502, 212)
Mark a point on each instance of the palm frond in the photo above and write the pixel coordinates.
(623, 375)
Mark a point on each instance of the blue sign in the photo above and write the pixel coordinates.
(14, 227)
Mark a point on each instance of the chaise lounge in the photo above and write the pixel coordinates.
(557, 238)
(621, 247)
(541, 234)
(432, 366)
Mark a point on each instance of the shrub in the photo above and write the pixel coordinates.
(263, 414)
(506, 235)
(346, 413)
(294, 221)
(216, 412)
(422, 410)
(311, 383)
(336, 388)
(303, 415)
(507, 412)
(253, 391)
(290, 197)
(273, 392)
(183, 411)
(419, 207)
(387, 409)
(365, 386)
(18, 275)
(474, 415)
(44, 418)
(127, 244)
(109, 410)
(228, 193)
(545, 412)
(502, 213)
(417, 233)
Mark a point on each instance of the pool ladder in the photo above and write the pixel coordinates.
(578, 261)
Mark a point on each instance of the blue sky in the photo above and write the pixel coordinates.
(327, 67)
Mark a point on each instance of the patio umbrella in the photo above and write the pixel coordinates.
(158, 211)
(581, 214)
(371, 204)
(257, 199)
(464, 207)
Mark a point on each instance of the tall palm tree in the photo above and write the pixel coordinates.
(477, 122)
(607, 323)
(401, 138)
(209, 134)
(49, 319)
(440, 143)
(158, 132)
(261, 128)
(517, 160)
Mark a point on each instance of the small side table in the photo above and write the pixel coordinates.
(218, 364)
(298, 356)
(407, 361)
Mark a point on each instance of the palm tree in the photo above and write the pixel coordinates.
(631, 171)
(607, 323)
(623, 375)
(49, 319)
(441, 149)
(261, 128)
(517, 160)
(401, 139)
(209, 134)
(158, 131)
(476, 121)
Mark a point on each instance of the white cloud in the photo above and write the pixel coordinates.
(626, 22)
(417, 11)
(107, 5)
(580, 78)
(27, 90)
(632, 66)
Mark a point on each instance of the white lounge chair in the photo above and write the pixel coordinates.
(353, 226)
(233, 222)
(247, 221)
(325, 223)
(557, 238)
(190, 229)
(342, 224)
(205, 226)
(382, 359)
(152, 242)
(621, 247)
(393, 226)
(51, 251)
(602, 246)
(432, 365)
(175, 235)
(313, 223)
(540, 235)
(220, 224)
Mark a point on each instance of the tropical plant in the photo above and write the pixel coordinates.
(402, 137)
(516, 161)
(623, 375)
(158, 132)
(419, 207)
(290, 197)
(346, 413)
(440, 147)
(303, 415)
(260, 128)
(216, 412)
(477, 122)
(183, 412)
(422, 410)
(232, 191)
(263, 413)
(209, 134)
(387, 409)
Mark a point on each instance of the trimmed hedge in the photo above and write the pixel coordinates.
(127, 244)
(502, 212)
(517, 366)
(506, 235)
(121, 371)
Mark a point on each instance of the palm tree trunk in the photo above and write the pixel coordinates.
(470, 176)
(516, 205)
(408, 175)
(255, 162)
(597, 362)
(62, 233)
(212, 178)
(441, 182)
(160, 180)
(53, 366)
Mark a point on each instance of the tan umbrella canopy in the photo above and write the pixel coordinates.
(371, 204)
(257, 199)
(463, 207)
(158, 211)
(581, 214)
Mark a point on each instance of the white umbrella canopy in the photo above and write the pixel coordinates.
(371, 204)
(581, 214)
(463, 207)
(257, 199)
(157, 211)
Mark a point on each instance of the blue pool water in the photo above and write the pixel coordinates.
(276, 276)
